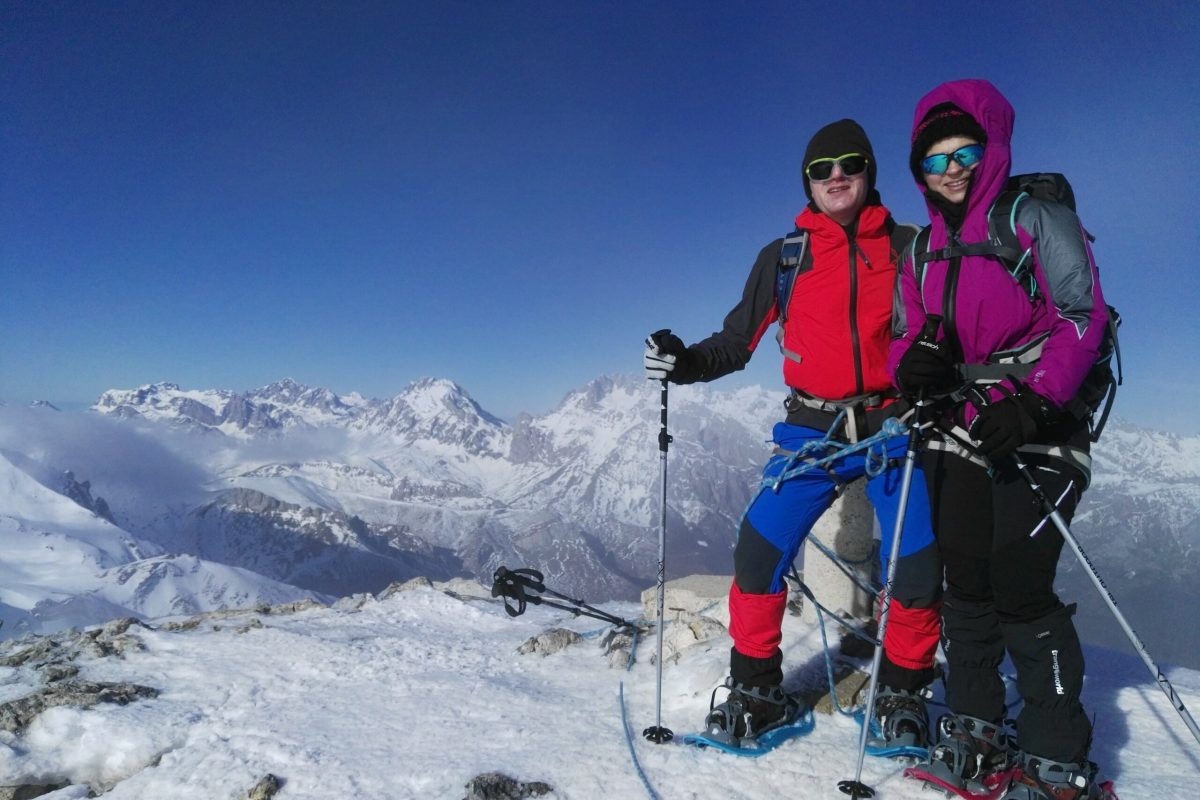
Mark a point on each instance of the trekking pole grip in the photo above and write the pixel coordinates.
(664, 438)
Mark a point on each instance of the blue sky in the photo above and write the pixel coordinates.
(512, 194)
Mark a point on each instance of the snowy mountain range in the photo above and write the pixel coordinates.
(331, 495)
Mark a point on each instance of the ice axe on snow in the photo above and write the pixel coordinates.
(526, 585)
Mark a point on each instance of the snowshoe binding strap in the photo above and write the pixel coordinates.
(901, 717)
(748, 712)
(968, 750)
(1043, 779)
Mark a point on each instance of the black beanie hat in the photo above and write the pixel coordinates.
(838, 139)
(943, 121)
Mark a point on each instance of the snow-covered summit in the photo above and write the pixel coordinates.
(436, 410)
(414, 694)
(430, 409)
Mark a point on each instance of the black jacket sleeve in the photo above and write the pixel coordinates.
(729, 349)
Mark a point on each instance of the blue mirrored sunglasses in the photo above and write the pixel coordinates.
(966, 157)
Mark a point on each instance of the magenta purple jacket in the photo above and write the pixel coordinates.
(987, 309)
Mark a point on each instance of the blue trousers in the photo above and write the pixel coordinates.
(778, 521)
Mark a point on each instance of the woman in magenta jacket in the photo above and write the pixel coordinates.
(999, 557)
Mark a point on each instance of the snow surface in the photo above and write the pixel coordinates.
(412, 696)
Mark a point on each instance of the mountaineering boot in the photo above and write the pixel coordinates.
(901, 718)
(748, 712)
(1043, 779)
(971, 758)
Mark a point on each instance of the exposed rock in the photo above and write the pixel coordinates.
(465, 588)
(27, 649)
(16, 715)
(396, 587)
(294, 607)
(58, 672)
(353, 602)
(617, 644)
(687, 631)
(850, 684)
(549, 642)
(265, 789)
(280, 609)
(111, 639)
(695, 594)
(29, 791)
(498, 786)
(81, 493)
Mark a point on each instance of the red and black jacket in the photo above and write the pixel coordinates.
(838, 321)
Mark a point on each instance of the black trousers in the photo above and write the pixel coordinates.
(1000, 555)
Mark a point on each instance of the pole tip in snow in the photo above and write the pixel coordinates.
(658, 734)
(856, 789)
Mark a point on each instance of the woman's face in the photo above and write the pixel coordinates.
(955, 182)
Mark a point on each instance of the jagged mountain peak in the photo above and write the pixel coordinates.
(272, 408)
(439, 411)
(294, 396)
(287, 390)
(430, 397)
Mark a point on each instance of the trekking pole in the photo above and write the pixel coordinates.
(1051, 510)
(856, 788)
(657, 733)
(516, 585)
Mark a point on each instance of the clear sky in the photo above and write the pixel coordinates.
(512, 194)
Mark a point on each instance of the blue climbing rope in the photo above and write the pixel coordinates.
(637, 765)
(875, 446)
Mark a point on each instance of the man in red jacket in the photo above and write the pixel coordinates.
(830, 286)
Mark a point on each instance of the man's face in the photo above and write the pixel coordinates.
(841, 196)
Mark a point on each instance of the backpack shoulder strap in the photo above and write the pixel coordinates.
(1002, 231)
(794, 258)
(920, 254)
(902, 235)
(1002, 243)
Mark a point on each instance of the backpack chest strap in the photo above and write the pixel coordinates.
(1018, 363)
(1004, 253)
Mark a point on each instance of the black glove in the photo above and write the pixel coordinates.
(668, 359)
(1003, 426)
(926, 364)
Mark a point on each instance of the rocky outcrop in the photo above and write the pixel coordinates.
(498, 786)
(16, 715)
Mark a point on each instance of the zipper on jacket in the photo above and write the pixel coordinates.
(949, 304)
(854, 343)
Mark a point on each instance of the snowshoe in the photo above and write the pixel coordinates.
(900, 725)
(752, 721)
(1043, 779)
(972, 759)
